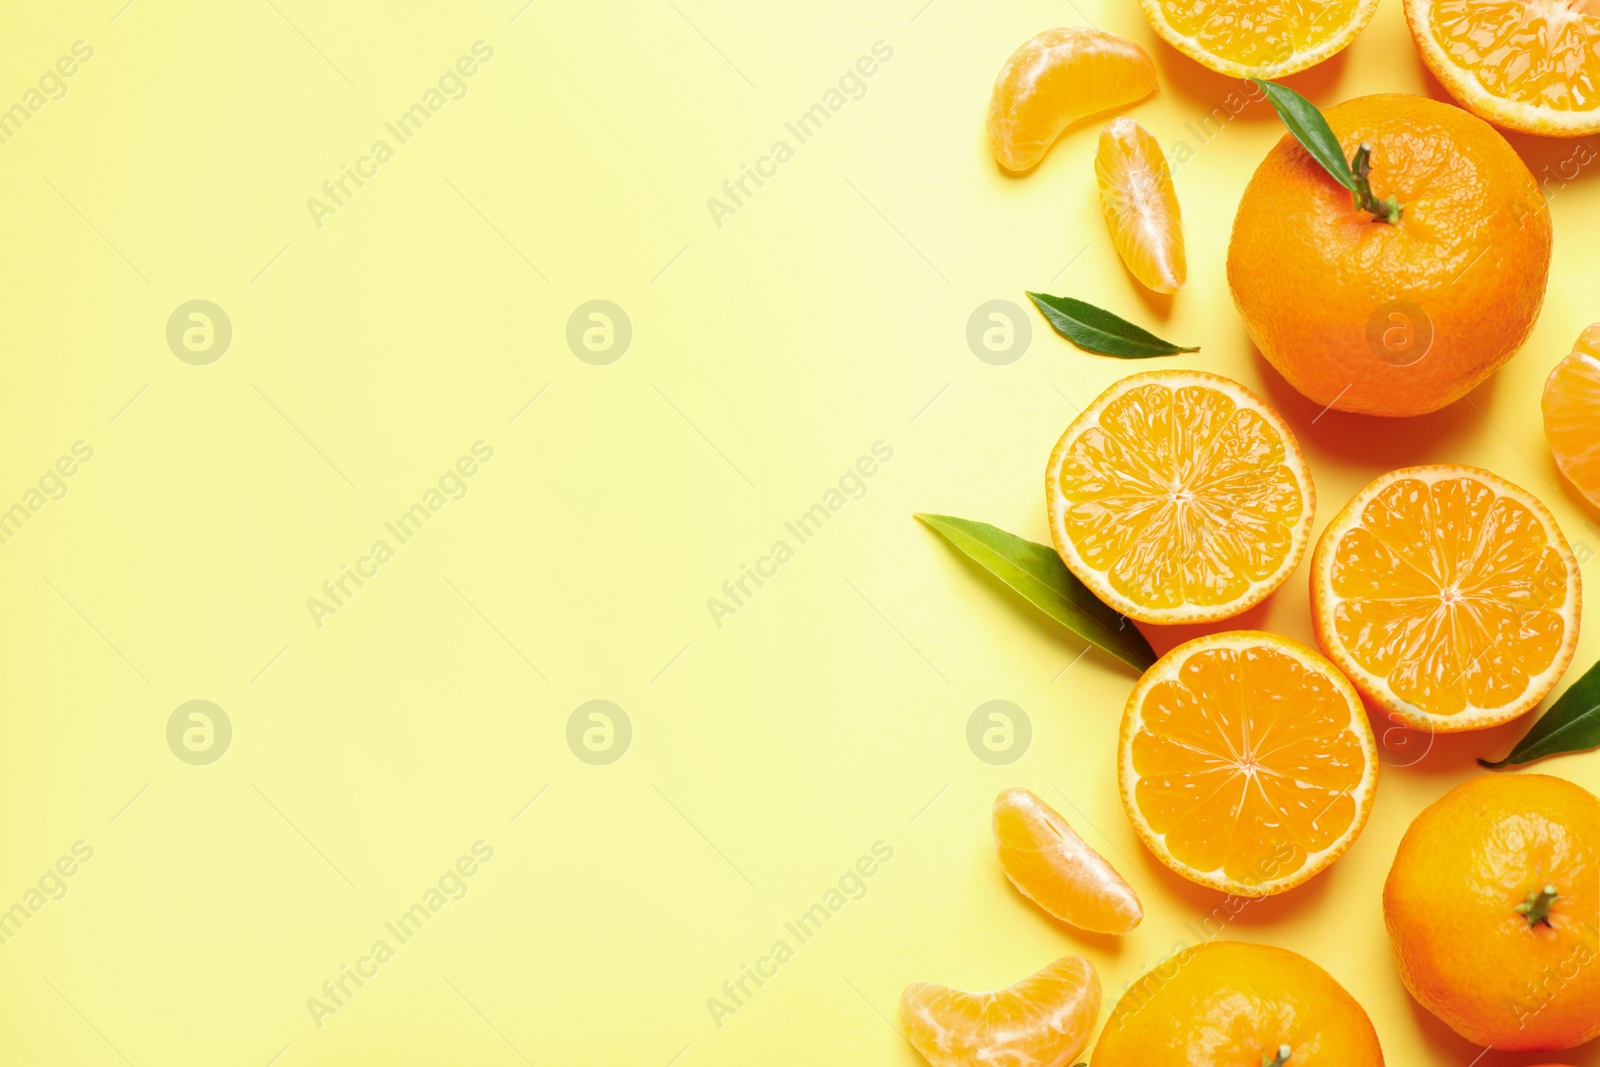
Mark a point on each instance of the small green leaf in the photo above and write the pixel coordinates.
(1037, 573)
(1571, 724)
(1100, 331)
(1310, 129)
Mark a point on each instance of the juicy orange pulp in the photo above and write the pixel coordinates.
(1572, 414)
(1246, 762)
(1056, 869)
(1141, 206)
(1532, 65)
(1179, 496)
(1042, 1021)
(1264, 38)
(1448, 595)
(1056, 78)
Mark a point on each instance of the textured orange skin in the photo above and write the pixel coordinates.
(1471, 249)
(1449, 903)
(1223, 1004)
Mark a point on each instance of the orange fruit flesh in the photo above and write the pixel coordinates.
(1572, 414)
(1179, 501)
(1500, 41)
(1267, 38)
(1141, 206)
(1530, 64)
(1056, 78)
(1251, 766)
(1056, 869)
(1042, 1021)
(1449, 592)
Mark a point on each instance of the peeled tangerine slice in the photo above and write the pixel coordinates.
(1141, 205)
(1057, 78)
(1572, 414)
(1042, 1021)
(1057, 870)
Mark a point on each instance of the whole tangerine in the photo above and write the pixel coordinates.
(1230, 1004)
(1493, 910)
(1401, 314)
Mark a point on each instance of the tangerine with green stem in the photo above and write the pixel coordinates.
(1493, 911)
(1401, 292)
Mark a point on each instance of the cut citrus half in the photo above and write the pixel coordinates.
(1572, 414)
(1448, 595)
(1056, 78)
(1141, 206)
(1246, 762)
(1259, 38)
(1179, 496)
(1042, 1021)
(1530, 65)
(1056, 869)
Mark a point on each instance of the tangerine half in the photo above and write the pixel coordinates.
(1246, 762)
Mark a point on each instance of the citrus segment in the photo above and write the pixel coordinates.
(1056, 869)
(1448, 595)
(1572, 414)
(1179, 496)
(1042, 1021)
(1493, 911)
(1246, 762)
(1531, 65)
(1227, 1004)
(1056, 78)
(1259, 38)
(1141, 206)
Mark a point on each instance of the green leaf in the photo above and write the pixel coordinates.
(1311, 130)
(1572, 724)
(1037, 573)
(1100, 331)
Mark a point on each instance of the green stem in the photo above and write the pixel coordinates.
(1385, 210)
(1536, 909)
(1268, 1060)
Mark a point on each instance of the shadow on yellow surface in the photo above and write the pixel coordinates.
(1382, 444)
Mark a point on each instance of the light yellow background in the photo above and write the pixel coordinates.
(829, 713)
